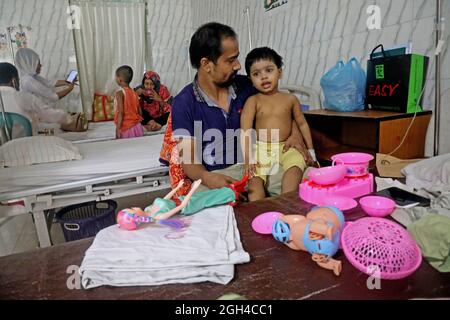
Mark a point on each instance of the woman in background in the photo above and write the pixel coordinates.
(29, 65)
(155, 100)
(26, 104)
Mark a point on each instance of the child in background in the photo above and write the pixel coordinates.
(155, 101)
(127, 115)
(271, 111)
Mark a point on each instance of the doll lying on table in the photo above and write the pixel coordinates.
(319, 233)
(164, 208)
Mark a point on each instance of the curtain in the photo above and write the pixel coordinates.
(110, 34)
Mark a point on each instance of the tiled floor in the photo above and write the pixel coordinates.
(17, 234)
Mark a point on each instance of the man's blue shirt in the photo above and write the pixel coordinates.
(194, 114)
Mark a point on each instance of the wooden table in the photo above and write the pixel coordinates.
(275, 271)
(368, 131)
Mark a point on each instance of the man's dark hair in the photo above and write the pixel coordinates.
(126, 72)
(207, 42)
(263, 53)
(7, 73)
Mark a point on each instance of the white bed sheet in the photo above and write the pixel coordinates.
(99, 159)
(97, 131)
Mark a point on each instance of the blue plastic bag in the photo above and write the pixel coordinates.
(344, 87)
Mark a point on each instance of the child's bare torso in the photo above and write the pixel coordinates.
(273, 121)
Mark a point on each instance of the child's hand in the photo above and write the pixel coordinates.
(154, 126)
(250, 170)
(139, 91)
(117, 133)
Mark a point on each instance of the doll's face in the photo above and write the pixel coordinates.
(149, 85)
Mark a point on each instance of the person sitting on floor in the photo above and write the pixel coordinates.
(155, 100)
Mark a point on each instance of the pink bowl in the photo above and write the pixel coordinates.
(263, 223)
(357, 163)
(328, 175)
(377, 206)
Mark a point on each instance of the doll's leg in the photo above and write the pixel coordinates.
(328, 263)
(184, 203)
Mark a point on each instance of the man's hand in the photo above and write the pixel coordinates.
(216, 180)
(294, 142)
(71, 85)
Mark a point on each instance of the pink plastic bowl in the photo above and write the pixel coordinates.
(377, 206)
(357, 163)
(328, 175)
(263, 223)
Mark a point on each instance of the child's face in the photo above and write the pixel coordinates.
(265, 76)
(149, 85)
(119, 80)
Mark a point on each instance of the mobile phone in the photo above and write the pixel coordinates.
(72, 76)
(404, 198)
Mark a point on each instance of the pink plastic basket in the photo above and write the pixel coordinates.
(376, 244)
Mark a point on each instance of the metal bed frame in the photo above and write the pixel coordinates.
(41, 202)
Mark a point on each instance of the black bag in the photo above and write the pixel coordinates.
(395, 83)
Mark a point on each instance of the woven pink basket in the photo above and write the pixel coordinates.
(379, 244)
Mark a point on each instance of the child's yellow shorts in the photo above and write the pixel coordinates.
(270, 157)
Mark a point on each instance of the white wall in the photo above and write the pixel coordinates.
(170, 29)
(49, 37)
(312, 35)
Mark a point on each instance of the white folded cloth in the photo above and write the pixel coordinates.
(432, 174)
(206, 249)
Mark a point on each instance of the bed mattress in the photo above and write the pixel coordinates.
(100, 159)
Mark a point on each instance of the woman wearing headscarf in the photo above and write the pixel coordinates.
(25, 103)
(29, 65)
(155, 101)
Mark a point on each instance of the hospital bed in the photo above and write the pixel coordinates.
(97, 131)
(109, 169)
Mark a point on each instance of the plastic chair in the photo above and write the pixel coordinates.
(15, 118)
(309, 97)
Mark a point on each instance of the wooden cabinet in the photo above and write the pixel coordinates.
(368, 131)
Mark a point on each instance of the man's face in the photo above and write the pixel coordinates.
(225, 69)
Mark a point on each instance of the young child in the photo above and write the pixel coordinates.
(155, 101)
(272, 112)
(127, 115)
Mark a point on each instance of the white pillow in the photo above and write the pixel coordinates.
(37, 149)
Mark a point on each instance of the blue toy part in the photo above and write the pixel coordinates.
(281, 231)
(338, 212)
(325, 246)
